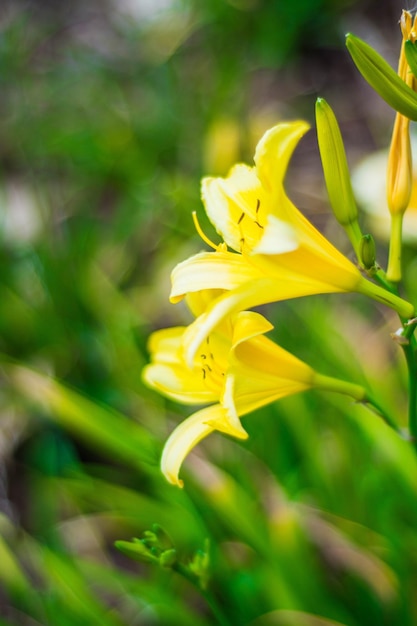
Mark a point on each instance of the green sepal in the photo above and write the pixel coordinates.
(382, 77)
(410, 49)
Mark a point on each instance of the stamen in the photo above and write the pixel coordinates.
(258, 204)
(203, 235)
(241, 218)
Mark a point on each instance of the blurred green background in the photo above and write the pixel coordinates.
(110, 113)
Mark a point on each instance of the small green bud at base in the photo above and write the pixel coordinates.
(168, 558)
(367, 252)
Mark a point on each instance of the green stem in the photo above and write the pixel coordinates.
(354, 233)
(381, 277)
(412, 379)
(408, 343)
(395, 246)
(404, 309)
(357, 392)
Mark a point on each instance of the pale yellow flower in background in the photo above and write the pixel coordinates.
(221, 145)
(369, 185)
(236, 371)
(278, 254)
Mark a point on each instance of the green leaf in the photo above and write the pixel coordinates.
(411, 55)
(100, 426)
(382, 77)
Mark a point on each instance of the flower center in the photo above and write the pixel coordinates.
(213, 370)
(250, 228)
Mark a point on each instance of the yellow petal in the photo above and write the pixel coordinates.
(247, 325)
(251, 395)
(211, 270)
(249, 294)
(232, 204)
(198, 301)
(166, 344)
(187, 435)
(179, 383)
(274, 151)
(229, 421)
(278, 238)
(183, 439)
(168, 372)
(265, 372)
(269, 360)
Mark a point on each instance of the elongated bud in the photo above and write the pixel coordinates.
(382, 77)
(400, 167)
(336, 172)
(367, 252)
(335, 167)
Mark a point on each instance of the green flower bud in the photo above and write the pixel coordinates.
(164, 540)
(168, 558)
(367, 252)
(382, 77)
(335, 167)
(136, 550)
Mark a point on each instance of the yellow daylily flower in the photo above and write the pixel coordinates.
(278, 254)
(236, 371)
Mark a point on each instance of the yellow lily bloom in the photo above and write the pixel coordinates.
(237, 370)
(278, 254)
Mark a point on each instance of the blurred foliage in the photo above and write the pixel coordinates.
(109, 115)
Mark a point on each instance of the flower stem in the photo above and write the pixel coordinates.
(394, 259)
(357, 392)
(404, 309)
(408, 342)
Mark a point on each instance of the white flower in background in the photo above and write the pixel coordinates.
(20, 219)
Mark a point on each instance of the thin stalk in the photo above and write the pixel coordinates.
(394, 258)
(387, 296)
(412, 378)
(408, 343)
(357, 392)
